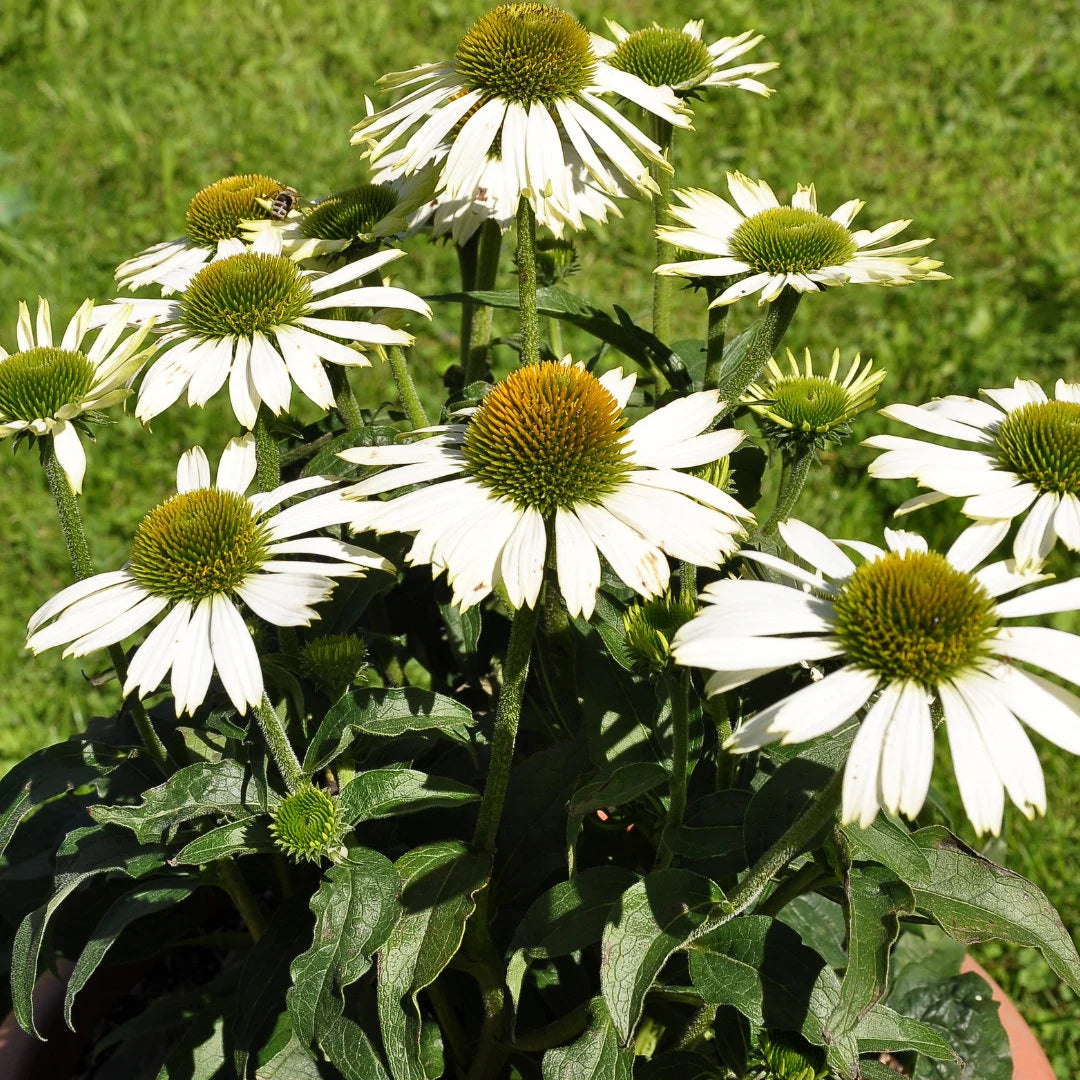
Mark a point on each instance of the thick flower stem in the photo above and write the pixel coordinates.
(820, 812)
(665, 252)
(679, 691)
(526, 268)
(281, 750)
(507, 714)
(487, 273)
(406, 388)
(714, 341)
(267, 461)
(67, 509)
(796, 470)
(769, 334)
(348, 408)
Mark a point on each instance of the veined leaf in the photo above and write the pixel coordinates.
(595, 1055)
(245, 837)
(383, 793)
(883, 1029)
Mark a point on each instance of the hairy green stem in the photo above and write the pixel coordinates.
(526, 268)
(279, 746)
(820, 812)
(345, 403)
(796, 469)
(663, 287)
(67, 509)
(466, 257)
(802, 881)
(714, 338)
(699, 1024)
(267, 462)
(487, 274)
(679, 692)
(406, 388)
(507, 714)
(767, 337)
(244, 900)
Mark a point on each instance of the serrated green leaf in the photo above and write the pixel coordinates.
(355, 907)
(891, 844)
(883, 1029)
(567, 917)
(47, 773)
(246, 837)
(223, 788)
(383, 793)
(973, 899)
(146, 899)
(84, 854)
(653, 918)
(763, 968)
(385, 714)
(439, 886)
(876, 899)
(594, 1055)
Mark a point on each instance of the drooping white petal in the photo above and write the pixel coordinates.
(1035, 537)
(577, 564)
(743, 608)
(285, 599)
(1048, 709)
(521, 563)
(980, 786)
(907, 753)
(234, 653)
(70, 454)
(242, 392)
(975, 543)
(153, 658)
(269, 375)
(640, 564)
(193, 663)
(87, 613)
(1007, 503)
(69, 596)
(123, 625)
(861, 789)
(816, 548)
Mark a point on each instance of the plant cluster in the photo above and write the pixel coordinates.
(528, 739)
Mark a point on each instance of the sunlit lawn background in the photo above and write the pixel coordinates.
(962, 115)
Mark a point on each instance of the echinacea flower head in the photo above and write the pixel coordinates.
(523, 90)
(681, 60)
(259, 321)
(548, 456)
(650, 625)
(906, 626)
(798, 406)
(49, 389)
(212, 231)
(193, 558)
(1023, 457)
(770, 247)
(309, 825)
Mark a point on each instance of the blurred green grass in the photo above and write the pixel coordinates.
(961, 115)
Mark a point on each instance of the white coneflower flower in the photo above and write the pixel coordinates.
(212, 231)
(907, 625)
(681, 60)
(345, 224)
(797, 405)
(256, 319)
(772, 247)
(194, 556)
(548, 455)
(47, 389)
(1026, 458)
(523, 89)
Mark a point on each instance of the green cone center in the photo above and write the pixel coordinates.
(810, 403)
(307, 825)
(526, 53)
(789, 240)
(914, 617)
(662, 57)
(37, 383)
(550, 435)
(216, 212)
(243, 294)
(1040, 442)
(198, 544)
(346, 215)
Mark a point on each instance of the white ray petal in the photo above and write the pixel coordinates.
(861, 790)
(192, 471)
(153, 658)
(193, 663)
(123, 625)
(70, 454)
(1035, 537)
(577, 564)
(1048, 709)
(640, 564)
(236, 467)
(1052, 650)
(521, 562)
(907, 753)
(814, 547)
(234, 653)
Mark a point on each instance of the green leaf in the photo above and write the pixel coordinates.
(763, 968)
(200, 1053)
(327, 463)
(246, 837)
(712, 827)
(348, 1048)
(48, 773)
(962, 1006)
(291, 1062)
(876, 899)
(891, 844)
(385, 714)
(973, 899)
(355, 908)
(623, 785)
(145, 899)
(624, 335)
(820, 923)
(383, 793)
(654, 917)
(778, 802)
(462, 631)
(567, 917)
(883, 1029)
(84, 854)
(223, 788)
(595, 1055)
(923, 955)
(439, 885)
(680, 1065)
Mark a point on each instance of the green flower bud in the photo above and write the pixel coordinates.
(308, 825)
